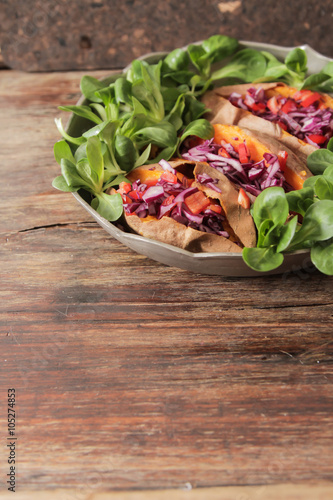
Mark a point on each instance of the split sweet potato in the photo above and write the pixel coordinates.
(258, 143)
(239, 218)
(169, 231)
(238, 221)
(222, 111)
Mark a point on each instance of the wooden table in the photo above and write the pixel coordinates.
(130, 375)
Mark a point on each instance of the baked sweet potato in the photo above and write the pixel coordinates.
(169, 231)
(258, 143)
(280, 101)
(238, 218)
(238, 225)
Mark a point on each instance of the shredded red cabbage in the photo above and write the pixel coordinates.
(167, 198)
(251, 176)
(304, 122)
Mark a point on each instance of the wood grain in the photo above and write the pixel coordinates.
(273, 492)
(133, 375)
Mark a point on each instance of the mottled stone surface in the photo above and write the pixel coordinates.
(90, 34)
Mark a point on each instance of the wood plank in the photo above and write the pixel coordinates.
(172, 382)
(133, 375)
(274, 492)
(28, 134)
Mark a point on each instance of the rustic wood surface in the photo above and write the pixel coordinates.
(131, 375)
(92, 34)
(259, 492)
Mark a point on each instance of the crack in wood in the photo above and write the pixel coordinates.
(288, 306)
(59, 224)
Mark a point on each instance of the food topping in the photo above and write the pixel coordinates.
(250, 175)
(172, 195)
(303, 114)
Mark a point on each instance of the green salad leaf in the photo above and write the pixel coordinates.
(279, 234)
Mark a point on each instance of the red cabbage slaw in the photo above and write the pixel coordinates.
(252, 177)
(168, 198)
(304, 122)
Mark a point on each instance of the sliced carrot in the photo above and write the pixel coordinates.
(259, 106)
(273, 105)
(197, 202)
(282, 157)
(243, 199)
(288, 106)
(126, 199)
(169, 177)
(311, 99)
(223, 152)
(124, 187)
(255, 106)
(215, 208)
(302, 94)
(135, 195)
(317, 138)
(168, 200)
(243, 153)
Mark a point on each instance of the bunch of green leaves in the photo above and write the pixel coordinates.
(89, 168)
(321, 159)
(322, 81)
(279, 233)
(250, 65)
(128, 118)
(140, 117)
(193, 66)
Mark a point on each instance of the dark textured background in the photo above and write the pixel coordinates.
(43, 35)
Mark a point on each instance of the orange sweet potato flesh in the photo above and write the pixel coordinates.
(150, 174)
(235, 135)
(222, 111)
(147, 174)
(295, 171)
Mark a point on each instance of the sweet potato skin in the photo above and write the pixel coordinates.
(169, 231)
(239, 218)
